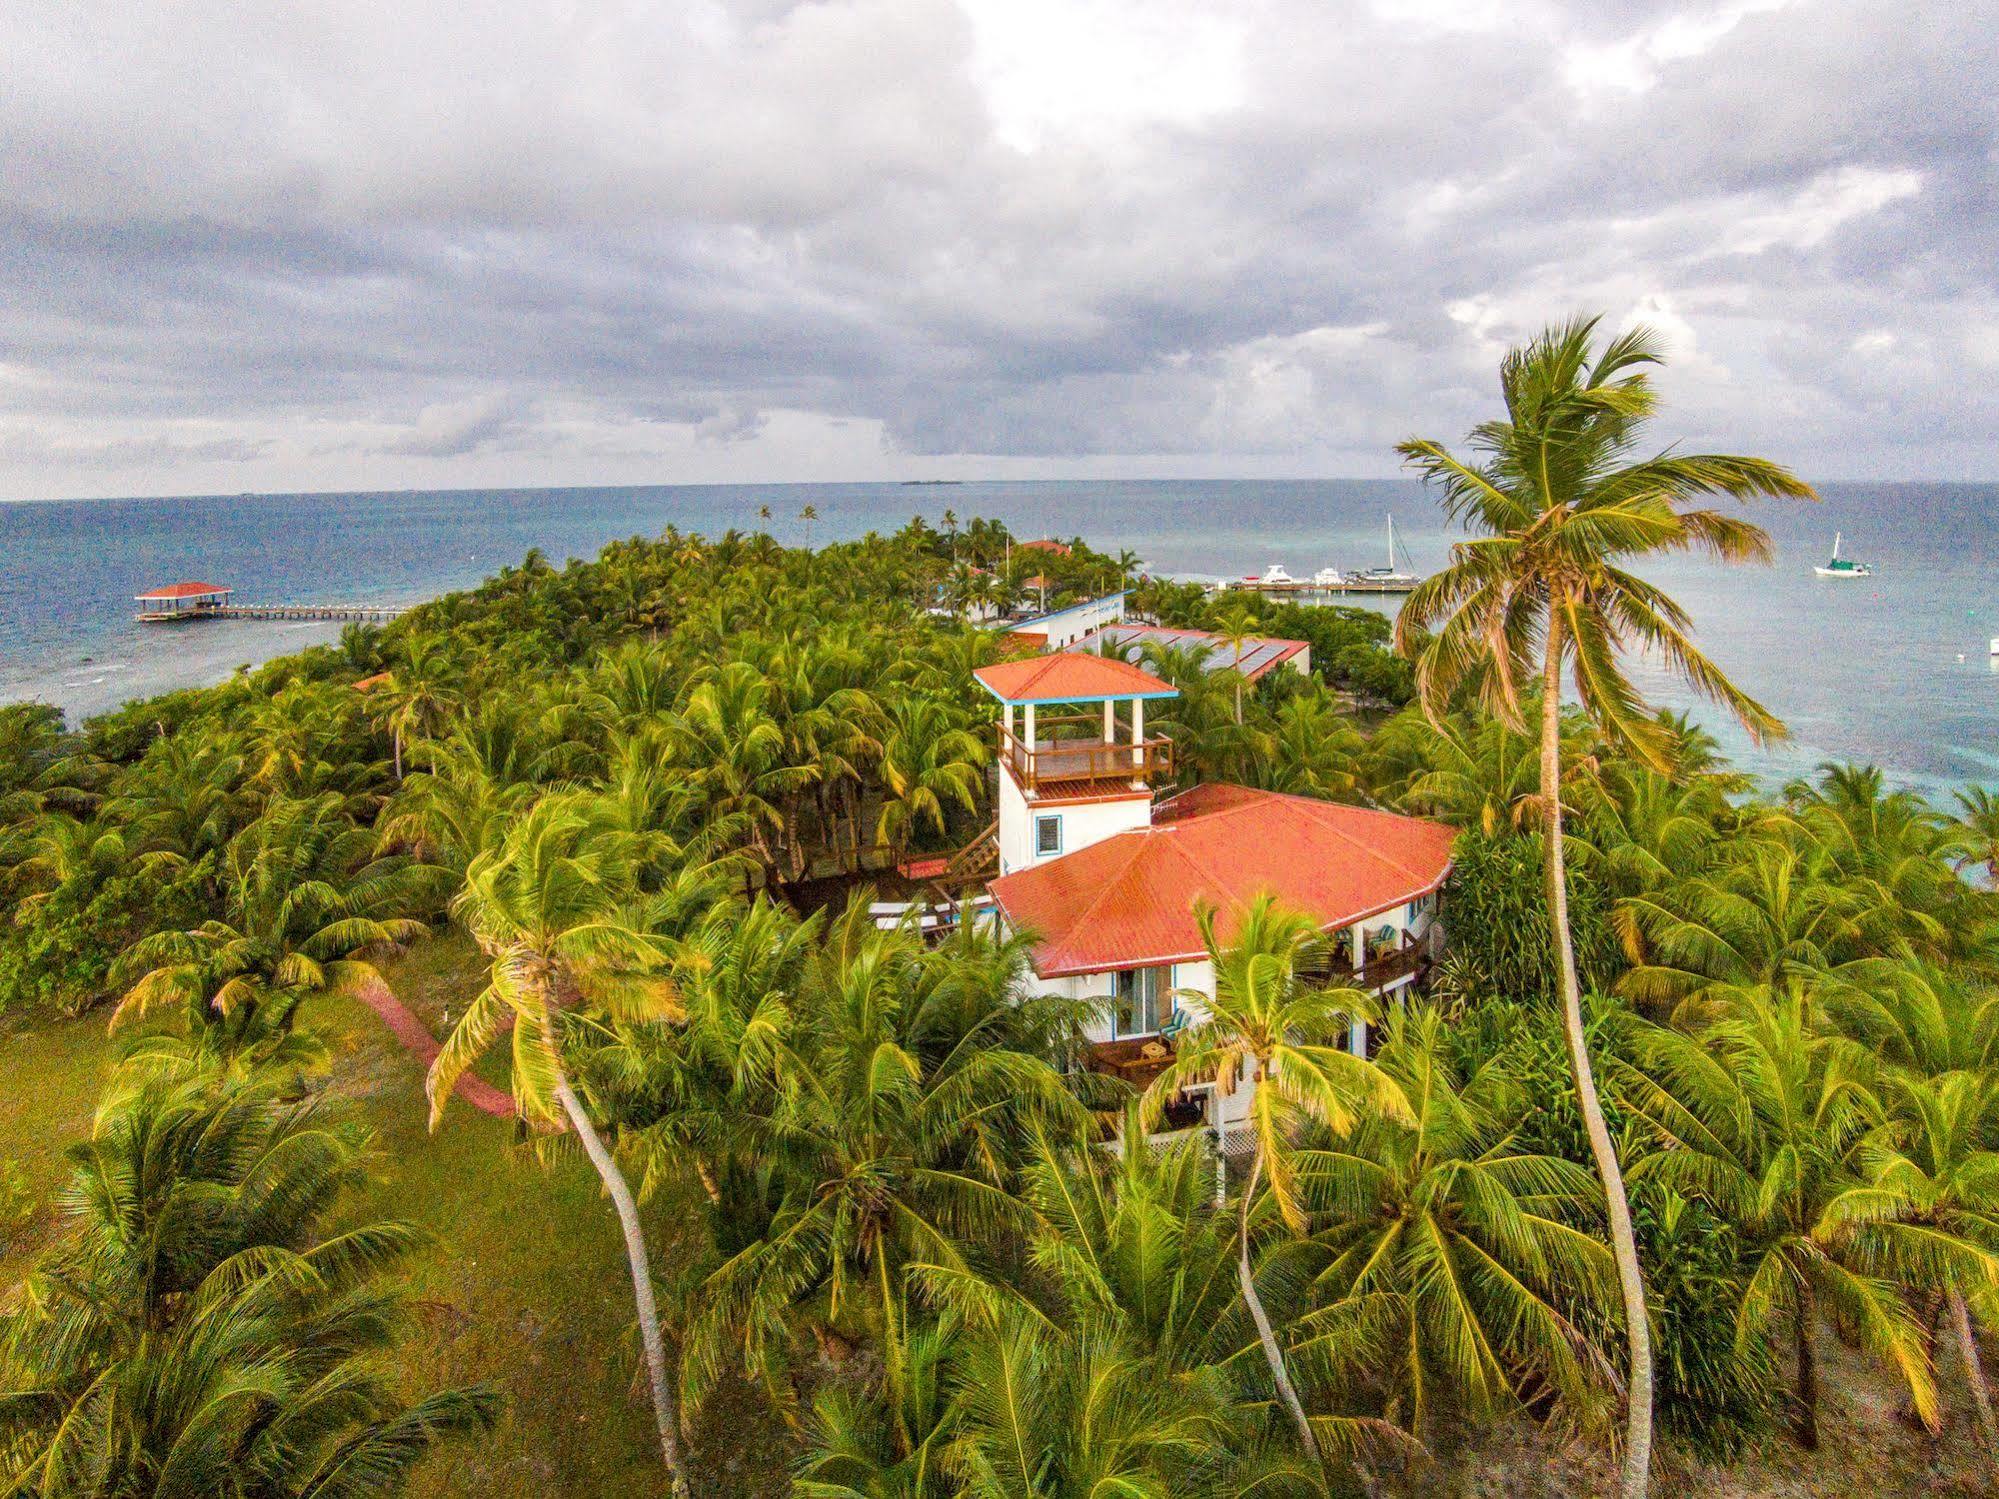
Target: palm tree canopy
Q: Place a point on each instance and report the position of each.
(1559, 508)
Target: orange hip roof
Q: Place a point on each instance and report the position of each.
(1070, 677)
(1130, 901)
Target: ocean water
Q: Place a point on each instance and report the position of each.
(1894, 669)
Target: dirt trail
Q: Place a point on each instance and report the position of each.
(417, 1040)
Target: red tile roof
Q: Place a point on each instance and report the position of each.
(1060, 548)
(1129, 901)
(183, 591)
(1069, 677)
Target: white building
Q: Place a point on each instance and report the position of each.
(1108, 881)
(1060, 629)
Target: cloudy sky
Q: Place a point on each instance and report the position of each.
(424, 244)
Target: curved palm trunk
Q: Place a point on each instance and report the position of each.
(665, 1409)
(1623, 1242)
(1974, 1375)
(1272, 1354)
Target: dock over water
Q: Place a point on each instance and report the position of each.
(185, 601)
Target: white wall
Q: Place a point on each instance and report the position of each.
(1067, 626)
(1083, 823)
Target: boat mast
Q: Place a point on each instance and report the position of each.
(1835, 545)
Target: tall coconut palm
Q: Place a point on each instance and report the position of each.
(1266, 1026)
(554, 907)
(1561, 503)
(1237, 627)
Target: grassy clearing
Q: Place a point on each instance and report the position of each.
(525, 1286)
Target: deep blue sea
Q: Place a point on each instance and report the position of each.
(1894, 669)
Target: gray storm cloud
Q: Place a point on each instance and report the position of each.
(260, 246)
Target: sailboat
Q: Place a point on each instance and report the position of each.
(1389, 579)
(1840, 567)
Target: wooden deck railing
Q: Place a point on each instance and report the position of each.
(1081, 759)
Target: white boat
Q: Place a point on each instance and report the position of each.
(1328, 577)
(1389, 577)
(1274, 576)
(1839, 567)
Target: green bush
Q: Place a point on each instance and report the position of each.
(1496, 912)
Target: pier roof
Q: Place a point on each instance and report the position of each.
(183, 591)
(1070, 677)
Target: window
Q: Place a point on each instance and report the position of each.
(1047, 836)
(1420, 907)
(1142, 1002)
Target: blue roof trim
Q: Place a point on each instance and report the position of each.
(1112, 697)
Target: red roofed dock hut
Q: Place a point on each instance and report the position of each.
(179, 601)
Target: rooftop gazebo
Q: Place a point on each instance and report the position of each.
(1071, 777)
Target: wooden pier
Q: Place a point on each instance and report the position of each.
(310, 611)
(185, 601)
(1257, 585)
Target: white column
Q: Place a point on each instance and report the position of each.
(1138, 732)
(1110, 721)
(1357, 1032)
(1028, 768)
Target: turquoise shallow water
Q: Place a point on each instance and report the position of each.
(1865, 670)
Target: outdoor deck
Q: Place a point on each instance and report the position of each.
(1083, 762)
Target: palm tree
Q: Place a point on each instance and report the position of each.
(1976, 836)
(928, 765)
(1560, 502)
(1895, 854)
(1071, 1411)
(735, 754)
(918, 1074)
(1237, 627)
(1768, 1120)
(1709, 939)
(199, 1331)
(554, 907)
(810, 515)
(1314, 750)
(892, 1441)
(304, 898)
(1454, 1261)
(1266, 1027)
(1937, 1158)
(420, 690)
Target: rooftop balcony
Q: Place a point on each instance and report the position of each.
(1074, 750)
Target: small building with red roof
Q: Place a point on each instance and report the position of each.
(1059, 548)
(181, 601)
(1109, 884)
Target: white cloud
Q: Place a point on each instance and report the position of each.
(1823, 206)
(250, 247)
